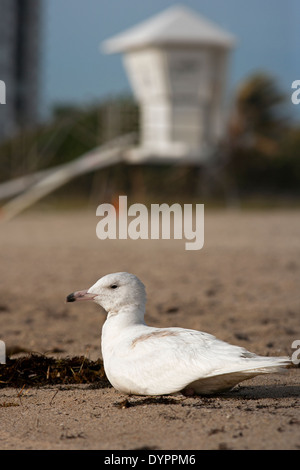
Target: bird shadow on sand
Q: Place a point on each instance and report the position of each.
(240, 393)
(256, 392)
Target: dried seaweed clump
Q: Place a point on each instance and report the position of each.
(38, 370)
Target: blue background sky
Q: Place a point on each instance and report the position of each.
(74, 69)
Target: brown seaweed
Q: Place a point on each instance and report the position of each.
(34, 370)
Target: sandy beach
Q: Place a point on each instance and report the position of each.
(242, 287)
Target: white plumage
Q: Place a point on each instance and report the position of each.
(142, 360)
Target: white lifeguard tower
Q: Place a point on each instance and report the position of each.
(177, 65)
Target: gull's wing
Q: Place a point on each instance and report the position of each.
(166, 360)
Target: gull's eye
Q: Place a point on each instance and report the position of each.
(114, 286)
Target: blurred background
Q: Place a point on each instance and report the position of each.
(202, 92)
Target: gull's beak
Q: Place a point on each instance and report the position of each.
(80, 295)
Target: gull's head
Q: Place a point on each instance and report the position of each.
(114, 292)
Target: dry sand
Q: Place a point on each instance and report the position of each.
(243, 287)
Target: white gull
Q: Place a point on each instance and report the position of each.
(143, 360)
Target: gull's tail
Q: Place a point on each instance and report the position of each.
(252, 366)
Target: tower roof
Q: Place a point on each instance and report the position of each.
(175, 25)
